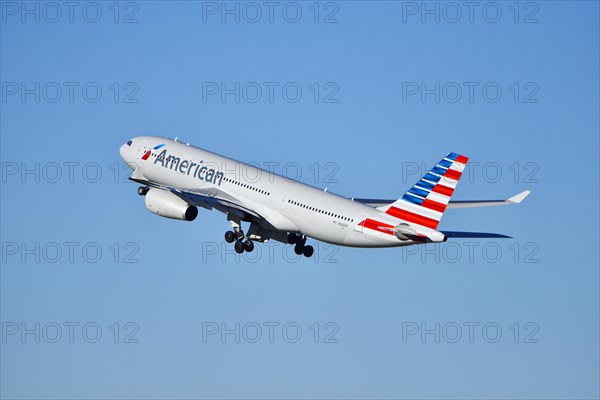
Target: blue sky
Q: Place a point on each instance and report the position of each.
(385, 89)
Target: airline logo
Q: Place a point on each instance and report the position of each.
(425, 203)
(149, 152)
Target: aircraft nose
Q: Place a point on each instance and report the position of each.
(123, 152)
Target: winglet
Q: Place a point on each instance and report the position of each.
(516, 199)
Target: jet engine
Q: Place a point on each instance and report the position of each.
(169, 205)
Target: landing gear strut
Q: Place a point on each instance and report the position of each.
(300, 245)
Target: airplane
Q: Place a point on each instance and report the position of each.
(177, 178)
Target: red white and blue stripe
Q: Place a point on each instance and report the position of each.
(424, 204)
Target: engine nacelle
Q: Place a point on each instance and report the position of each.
(169, 205)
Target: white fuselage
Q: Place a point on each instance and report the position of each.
(288, 205)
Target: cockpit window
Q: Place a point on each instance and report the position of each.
(129, 143)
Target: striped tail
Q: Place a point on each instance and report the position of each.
(425, 203)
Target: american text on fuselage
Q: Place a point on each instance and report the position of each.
(189, 167)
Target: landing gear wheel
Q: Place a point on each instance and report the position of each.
(308, 251)
(249, 246)
(229, 237)
(239, 247)
(292, 238)
(143, 190)
(299, 248)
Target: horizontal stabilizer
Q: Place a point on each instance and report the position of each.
(474, 235)
(516, 199)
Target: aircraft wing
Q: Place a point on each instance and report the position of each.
(223, 201)
(210, 198)
(516, 199)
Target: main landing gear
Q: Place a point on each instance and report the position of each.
(143, 190)
(300, 245)
(244, 243)
(241, 243)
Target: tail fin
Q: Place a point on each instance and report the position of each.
(425, 203)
